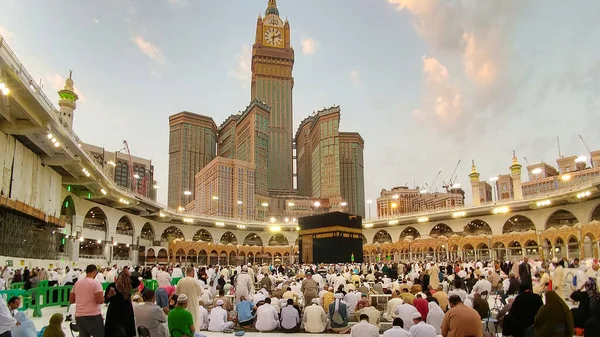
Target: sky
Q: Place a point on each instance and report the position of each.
(425, 82)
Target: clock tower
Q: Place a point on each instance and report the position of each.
(273, 83)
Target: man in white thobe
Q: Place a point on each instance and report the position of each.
(315, 318)
(420, 328)
(405, 312)
(218, 319)
(267, 318)
(243, 285)
(177, 272)
(364, 328)
(192, 289)
(163, 278)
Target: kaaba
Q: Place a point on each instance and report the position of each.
(334, 237)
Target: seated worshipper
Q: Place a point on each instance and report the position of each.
(435, 316)
(290, 317)
(351, 299)
(244, 312)
(338, 315)
(372, 312)
(54, 328)
(218, 319)
(481, 306)
(227, 305)
(405, 312)
(362, 302)
(522, 312)
(420, 328)
(510, 286)
(26, 328)
(460, 320)
(554, 319)
(441, 297)
(378, 287)
(180, 321)
(588, 299)
(397, 329)
(542, 284)
(266, 317)
(392, 304)
(315, 318)
(407, 297)
(258, 297)
(203, 316)
(458, 290)
(364, 328)
(327, 299)
(290, 294)
(483, 287)
(150, 315)
(422, 305)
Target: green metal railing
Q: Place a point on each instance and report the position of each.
(150, 284)
(17, 285)
(175, 280)
(40, 297)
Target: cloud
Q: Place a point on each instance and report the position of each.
(476, 35)
(354, 77)
(309, 46)
(149, 49)
(242, 71)
(7, 34)
(96, 21)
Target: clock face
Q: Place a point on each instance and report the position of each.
(273, 37)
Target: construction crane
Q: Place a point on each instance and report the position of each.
(588, 151)
(131, 171)
(448, 185)
(434, 180)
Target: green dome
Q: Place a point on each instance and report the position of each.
(272, 10)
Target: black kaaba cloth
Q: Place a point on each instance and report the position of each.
(334, 237)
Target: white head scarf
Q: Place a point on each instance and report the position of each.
(338, 299)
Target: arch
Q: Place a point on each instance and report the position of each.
(96, 219)
(595, 214)
(278, 240)
(125, 226)
(202, 235)
(477, 227)
(228, 238)
(364, 239)
(482, 245)
(67, 210)
(163, 256)
(252, 239)
(382, 237)
(171, 233)
(410, 231)
(561, 218)
(202, 257)
(518, 223)
(150, 256)
(232, 258)
(147, 232)
(441, 229)
(180, 255)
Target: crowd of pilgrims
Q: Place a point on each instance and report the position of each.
(423, 299)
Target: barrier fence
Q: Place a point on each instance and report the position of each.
(45, 296)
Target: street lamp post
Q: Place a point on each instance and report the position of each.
(317, 205)
(369, 202)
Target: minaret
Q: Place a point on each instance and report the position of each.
(474, 175)
(259, 30)
(515, 174)
(67, 102)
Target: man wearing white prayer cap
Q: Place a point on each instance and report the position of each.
(420, 328)
(218, 318)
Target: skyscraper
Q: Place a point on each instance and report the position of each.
(330, 163)
(272, 83)
(192, 145)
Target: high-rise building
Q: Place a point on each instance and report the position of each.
(117, 165)
(272, 83)
(404, 200)
(352, 173)
(192, 145)
(252, 145)
(226, 140)
(330, 163)
(225, 188)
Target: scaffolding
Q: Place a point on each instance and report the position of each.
(27, 237)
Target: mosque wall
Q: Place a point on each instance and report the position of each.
(24, 178)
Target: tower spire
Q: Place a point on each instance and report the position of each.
(67, 102)
(272, 8)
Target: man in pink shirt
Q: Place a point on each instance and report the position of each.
(87, 296)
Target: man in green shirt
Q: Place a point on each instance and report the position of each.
(181, 322)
